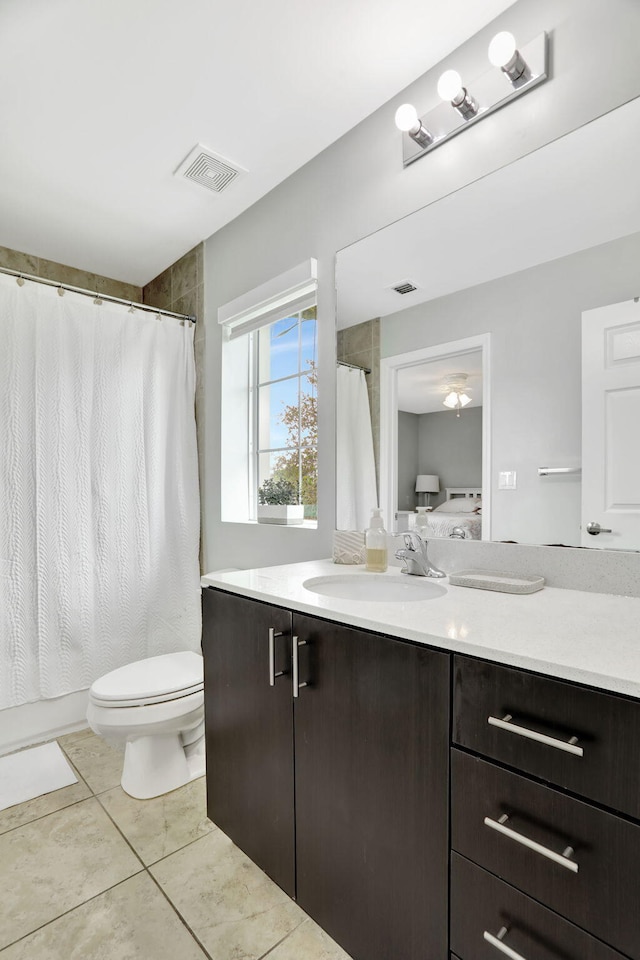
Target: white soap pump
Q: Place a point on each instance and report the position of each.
(375, 541)
(422, 521)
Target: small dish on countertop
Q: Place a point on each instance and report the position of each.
(501, 582)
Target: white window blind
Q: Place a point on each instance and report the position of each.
(289, 293)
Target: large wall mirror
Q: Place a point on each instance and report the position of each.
(514, 300)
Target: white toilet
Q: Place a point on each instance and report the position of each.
(155, 709)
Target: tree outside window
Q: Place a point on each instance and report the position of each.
(286, 420)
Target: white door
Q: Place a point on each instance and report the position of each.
(611, 425)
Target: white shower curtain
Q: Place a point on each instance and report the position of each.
(356, 492)
(99, 503)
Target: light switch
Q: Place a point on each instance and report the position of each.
(507, 480)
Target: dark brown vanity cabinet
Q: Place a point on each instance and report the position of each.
(516, 833)
(368, 737)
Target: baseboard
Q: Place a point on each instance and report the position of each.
(32, 723)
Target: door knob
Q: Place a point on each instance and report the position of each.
(594, 528)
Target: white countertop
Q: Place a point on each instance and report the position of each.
(592, 638)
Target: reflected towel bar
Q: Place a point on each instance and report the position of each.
(555, 471)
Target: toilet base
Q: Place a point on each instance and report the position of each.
(158, 764)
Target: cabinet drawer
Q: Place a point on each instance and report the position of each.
(601, 896)
(480, 903)
(607, 729)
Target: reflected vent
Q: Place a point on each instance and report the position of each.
(405, 287)
(205, 167)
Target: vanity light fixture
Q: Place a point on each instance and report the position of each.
(513, 72)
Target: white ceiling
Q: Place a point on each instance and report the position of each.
(421, 388)
(100, 103)
(574, 193)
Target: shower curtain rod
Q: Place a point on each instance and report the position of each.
(354, 366)
(97, 296)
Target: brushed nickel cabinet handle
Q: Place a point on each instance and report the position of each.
(561, 858)
(273, 633)
(296, 667)
(499, 945)
(569, 746)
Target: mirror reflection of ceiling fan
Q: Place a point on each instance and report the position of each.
(455, 387)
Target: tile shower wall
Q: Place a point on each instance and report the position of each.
(180, 288)
(50, 270)
(360, 345)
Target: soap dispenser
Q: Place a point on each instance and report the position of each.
(375, 541)
(422, 521)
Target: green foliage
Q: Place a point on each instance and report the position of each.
(278, 490)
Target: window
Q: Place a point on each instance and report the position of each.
(269, 427)
(283, 439)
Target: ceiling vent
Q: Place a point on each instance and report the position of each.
(405, 287)
(205, 167)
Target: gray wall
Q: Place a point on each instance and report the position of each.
(408, 443)
(451, 447)
(534, 318)
(358, 185)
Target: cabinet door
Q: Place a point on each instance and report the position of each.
(249, 730)
(371, 735)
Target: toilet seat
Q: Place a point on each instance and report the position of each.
(171, 676)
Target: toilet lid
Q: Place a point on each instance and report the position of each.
(166, 677)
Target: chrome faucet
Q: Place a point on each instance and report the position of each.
(414, 554)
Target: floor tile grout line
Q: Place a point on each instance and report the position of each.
(126, 839)
(179, 915)
(71, 910)
(72, 762)
(145, 868)
(44, 816)
(282, 940)
(81, 782)
(184, 846)
(153, 863)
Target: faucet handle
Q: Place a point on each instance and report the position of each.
(413, 541)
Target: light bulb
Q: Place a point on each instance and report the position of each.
(406, 117)
(449, 85)
(408, 121)
(502, 49)
(456, 399)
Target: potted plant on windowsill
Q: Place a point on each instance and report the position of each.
(279, 502)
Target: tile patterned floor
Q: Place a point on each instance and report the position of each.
(88, 873)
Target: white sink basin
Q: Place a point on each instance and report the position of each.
(376, 587)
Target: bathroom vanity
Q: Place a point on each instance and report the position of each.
(449, 777)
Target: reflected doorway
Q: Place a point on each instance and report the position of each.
(433, 454)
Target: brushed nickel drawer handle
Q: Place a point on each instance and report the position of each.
(561, 858)
(506, 724)
(296, 666)
(499, 945)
